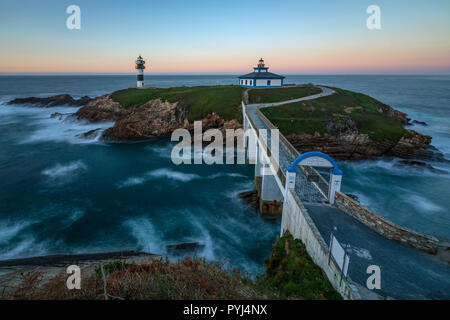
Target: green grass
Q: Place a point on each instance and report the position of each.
(201, 101)
(292, 274)
(267, 95)
(369, 115)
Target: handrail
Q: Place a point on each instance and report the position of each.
(276, 165)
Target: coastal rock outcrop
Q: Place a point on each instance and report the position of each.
(58, 100)
(356, 146)
(155, 118)
(101, 109)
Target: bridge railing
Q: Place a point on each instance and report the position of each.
(309, 172)
(273, 161)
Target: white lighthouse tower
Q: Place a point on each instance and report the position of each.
(140, 66)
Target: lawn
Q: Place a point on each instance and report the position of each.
(201, 100)
(267, 95)
(369, 115)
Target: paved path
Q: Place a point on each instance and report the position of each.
(325, 92)
(406, 273)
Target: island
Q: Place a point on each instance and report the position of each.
(344, 125)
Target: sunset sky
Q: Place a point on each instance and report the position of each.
(196, 36)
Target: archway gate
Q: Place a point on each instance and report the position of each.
(316, 159)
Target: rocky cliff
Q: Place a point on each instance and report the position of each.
(155, 118)
(354, 145)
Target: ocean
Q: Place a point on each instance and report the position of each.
(61, 193)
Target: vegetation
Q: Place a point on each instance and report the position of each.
(367, 114)
(201, 101)
(290, 274)
(267, 95)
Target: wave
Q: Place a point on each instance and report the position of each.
(176, 176)
(10, 230)
(173, 175)
(69, 169)
(145, 234)
(366, 168)
(25, 248)
(424, 205)
(360, 252)
(43, 127)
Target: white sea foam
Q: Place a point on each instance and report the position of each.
(360, 252)
(204, 238)
(424, 204)
(176, 176)
(25, 248)
(144, 232)
(45, 128)
(69, 169)
(130, 182)
(9, 230)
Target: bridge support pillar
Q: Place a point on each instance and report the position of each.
(271, 199)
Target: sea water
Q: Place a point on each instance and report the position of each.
(62, 193)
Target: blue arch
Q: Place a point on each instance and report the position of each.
(293, 166)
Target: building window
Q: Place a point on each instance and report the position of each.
(245, 82)
(268, 82)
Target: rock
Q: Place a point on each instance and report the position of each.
(153, 119)
(184, 246)
(397, 115)
(413, 163)
(419, 164)
(102, 109)
(353, 196)
(91, 134)
(251, 198)
(58, 100)
(422, 123)
(59, 116)
(350, 145)
(212, 120)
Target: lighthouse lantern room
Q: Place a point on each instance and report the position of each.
(140, 66)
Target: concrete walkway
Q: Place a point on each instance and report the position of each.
(406, 273)
(325, 92)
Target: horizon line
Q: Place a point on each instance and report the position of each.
(217, 74)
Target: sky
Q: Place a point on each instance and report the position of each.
(228, 36)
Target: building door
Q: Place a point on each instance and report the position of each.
(268, 83)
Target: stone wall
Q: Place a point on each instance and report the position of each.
(385, 227)
(296, 220)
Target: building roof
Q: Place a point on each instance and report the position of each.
(261, 75)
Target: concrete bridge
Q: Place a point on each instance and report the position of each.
(314, 210)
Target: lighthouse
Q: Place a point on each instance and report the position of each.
(261, 77)
(140, 66)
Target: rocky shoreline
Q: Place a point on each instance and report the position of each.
(157, 118)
